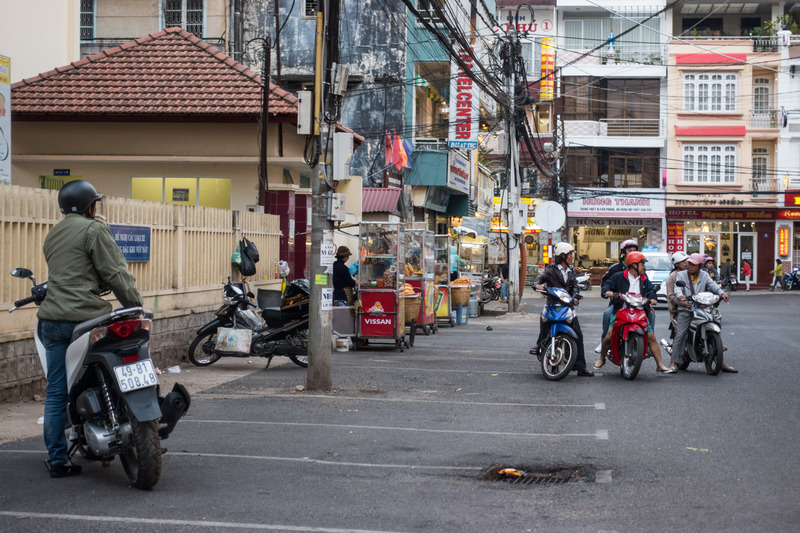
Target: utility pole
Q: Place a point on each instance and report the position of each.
(319, 319)
(514, 222)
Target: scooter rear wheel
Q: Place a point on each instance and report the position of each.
(300, 339)
(201, 350)
(142, 461)
(631, 356)
(557, 365)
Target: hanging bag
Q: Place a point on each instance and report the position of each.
(250, 249)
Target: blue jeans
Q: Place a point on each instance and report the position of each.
(504, 291)
(56, 335)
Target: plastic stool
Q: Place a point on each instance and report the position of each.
(461, 314)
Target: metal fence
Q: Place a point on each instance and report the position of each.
(190, 247)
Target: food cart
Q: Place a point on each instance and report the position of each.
(419, 270)
(441, 276)
(381, 264)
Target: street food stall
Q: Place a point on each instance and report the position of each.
(381, 270)
(419, 269)
(441, 275)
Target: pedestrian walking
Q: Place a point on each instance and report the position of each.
(746, 273)
(777, 276)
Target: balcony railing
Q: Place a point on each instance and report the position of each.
(764, 118)
(766, 43)
(632, 127)
(759, 184)
(430, 144)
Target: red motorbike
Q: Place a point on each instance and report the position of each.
(629, 335)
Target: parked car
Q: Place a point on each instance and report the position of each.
(659, 265)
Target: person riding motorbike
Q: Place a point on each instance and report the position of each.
(561, 274)
(679, 262)
(82, 259)
(695, 280)
(627, 246)
(631, 280)
(709, 267)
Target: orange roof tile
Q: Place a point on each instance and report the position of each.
(711, 131)
(710, 59)
(167, 73)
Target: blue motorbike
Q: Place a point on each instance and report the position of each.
(792, 280)
(559, 349)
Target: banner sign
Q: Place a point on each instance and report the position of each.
(458, 168)
(5, 120)
(601, 234)
(464, 104)
(721, 214)
(133, 241)
(635, 203)
(674, 237)
(548, 66)
(789, 214)
(541, 23)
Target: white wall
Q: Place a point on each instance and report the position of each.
(39, 35)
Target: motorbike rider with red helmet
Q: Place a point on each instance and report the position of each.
(632, 280)
(625, 247)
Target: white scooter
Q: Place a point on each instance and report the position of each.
(112, 389)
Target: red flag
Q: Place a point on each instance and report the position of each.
(399, 156)
(388, 148)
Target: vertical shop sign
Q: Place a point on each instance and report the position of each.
(464, 103)
(674, 237)
(5, 120)
(783, 241)
(548, 65)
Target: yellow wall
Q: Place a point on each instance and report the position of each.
(134, 18)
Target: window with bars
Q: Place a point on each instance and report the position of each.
(709, 92)
(186, 14)
(427, 10)
(709, 163)
(87, 20)
(311, 8)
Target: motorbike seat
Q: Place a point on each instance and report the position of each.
(272, 315)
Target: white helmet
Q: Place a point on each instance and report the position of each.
(562, 248)
(677, 257)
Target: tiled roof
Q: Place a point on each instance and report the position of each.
(167, 73)
(379, 199)
(711, 131)
(710, 59)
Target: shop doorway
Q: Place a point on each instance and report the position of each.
(705, 244)
(746, 251)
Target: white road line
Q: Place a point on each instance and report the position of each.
(596, 406)
(603, 476)
(329, 463)
(184, 523)
(601, 434)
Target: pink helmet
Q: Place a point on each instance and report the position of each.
(708, 258)
(696, 259)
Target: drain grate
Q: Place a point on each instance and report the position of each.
(536, 476)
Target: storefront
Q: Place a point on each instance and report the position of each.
(736, 234)
(601, 221)
(788, 233)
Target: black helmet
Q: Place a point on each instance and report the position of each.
(77, 196)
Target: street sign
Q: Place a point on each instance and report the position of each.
(550, 216)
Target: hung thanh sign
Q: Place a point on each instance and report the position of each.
(464, 102)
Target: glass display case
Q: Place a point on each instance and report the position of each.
(441, 278)
(381, 275)
(419, 273)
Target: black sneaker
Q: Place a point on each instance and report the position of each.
(59, 471)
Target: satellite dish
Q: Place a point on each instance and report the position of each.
(550, 216)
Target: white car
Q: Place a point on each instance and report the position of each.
(659, 266)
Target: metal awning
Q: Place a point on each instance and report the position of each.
(379, 199)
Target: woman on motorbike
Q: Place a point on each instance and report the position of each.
(631, 280)
(560, 274)
(625, 248)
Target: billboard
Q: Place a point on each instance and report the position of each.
(5, 120)
(464, 103)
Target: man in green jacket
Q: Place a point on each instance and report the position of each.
(83, 260)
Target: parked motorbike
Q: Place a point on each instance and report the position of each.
(792, 280)
(114, 407)
(490, 288)
(730, 283)
(559, 349)
(704, 340)
(284, 331)
(584, 283)
(629, 335)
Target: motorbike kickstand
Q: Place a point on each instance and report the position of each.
(269, 360)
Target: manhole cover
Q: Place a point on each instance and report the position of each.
(528, 475)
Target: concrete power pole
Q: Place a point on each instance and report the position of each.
(514, 212)
(319, 319)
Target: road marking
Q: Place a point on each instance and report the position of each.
(184, 523)
(601, 434)
(603, 476)
(596, 406)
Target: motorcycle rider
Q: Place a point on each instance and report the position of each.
(560, 274)
(695, 280)
(82, 259)
(627, 246)
(679, 261)
(632, 280)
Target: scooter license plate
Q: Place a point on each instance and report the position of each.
(136, 375)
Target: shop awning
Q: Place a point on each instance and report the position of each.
(379, 199)
(429, 167)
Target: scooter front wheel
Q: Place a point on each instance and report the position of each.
(713, 356)
(201, 350)
(142, 461)
(558, 361)
(632, 350)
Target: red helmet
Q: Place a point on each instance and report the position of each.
(634, 257)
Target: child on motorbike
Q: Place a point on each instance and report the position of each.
(631, 280)
(561, 274)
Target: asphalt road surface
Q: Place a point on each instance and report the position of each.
(402, 442)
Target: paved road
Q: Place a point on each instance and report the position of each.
(401, 443)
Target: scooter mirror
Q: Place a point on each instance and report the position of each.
(680, 283)
(21, 273)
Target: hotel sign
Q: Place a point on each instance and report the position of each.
(637, 203)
